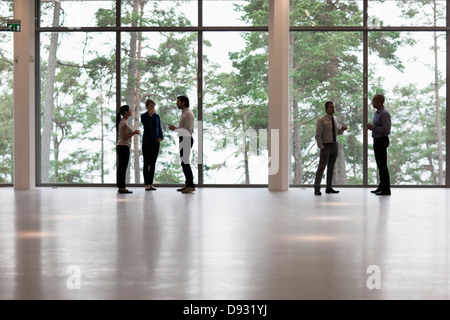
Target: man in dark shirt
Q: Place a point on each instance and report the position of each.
(381, 128)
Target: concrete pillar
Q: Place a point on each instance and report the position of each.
(24, 104)
(279, 95)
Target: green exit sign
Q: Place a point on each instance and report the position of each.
(13, 25)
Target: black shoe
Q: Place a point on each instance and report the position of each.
(317, 193)
(383, 193)
(125, 191)
(331, 190)
(375, 191)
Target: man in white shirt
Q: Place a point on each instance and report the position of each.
(185, 130)
(326, 132)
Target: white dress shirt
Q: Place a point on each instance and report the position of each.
(324, 130)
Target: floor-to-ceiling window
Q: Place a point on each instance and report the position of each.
(326, 66)
(77, 107)
(235, 79)
(409, 67)
(98, 55)
(6, 95)
(403, 50)
(235, 108)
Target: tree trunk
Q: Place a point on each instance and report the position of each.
(295, 126)
(137, 101)
(297, 151)
(56, 156)
(102, 140)
(438, 104)
(247, 173)
(132, 66)
(47, 123)
(340, 174)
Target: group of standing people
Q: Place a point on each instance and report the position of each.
(327, 129)
(152, 136)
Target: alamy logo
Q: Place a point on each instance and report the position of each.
(74, 279)
(374, 280)
(250, 140)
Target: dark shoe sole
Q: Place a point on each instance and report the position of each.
(383, 193)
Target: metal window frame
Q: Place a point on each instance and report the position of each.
(200, 29)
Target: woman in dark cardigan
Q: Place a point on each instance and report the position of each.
(153, 135)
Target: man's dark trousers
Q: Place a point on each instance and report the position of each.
(380, 146)
(186, 166)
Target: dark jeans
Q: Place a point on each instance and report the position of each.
(123, 157)
(328, 156)
(186, 166)
(380, 146)
(150, 153)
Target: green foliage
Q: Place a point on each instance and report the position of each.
(6, 111)
(324, 13)
(6, 134)
(324, 66)
(413, 139)
(72, 169)
(106, 17)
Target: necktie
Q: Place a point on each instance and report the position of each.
(334, 129)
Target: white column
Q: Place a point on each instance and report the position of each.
(24, 110)
(279, 95)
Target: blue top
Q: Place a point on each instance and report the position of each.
(152, 128)
(381, 124)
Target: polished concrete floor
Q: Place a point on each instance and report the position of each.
(224, 243)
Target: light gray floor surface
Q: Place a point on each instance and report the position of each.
(224, 243)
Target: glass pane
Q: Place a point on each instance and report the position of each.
(77, 13)
(161, 67)
(78, 107)
(159, 13)
(236, 13)
(235, 108)
(326, 13)
(6, 105)
(407, 13)
(326, 66)
(413, 82)
(7, 11)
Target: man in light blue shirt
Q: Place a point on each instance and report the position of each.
(381, 128)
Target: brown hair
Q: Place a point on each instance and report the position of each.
(149, 102)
